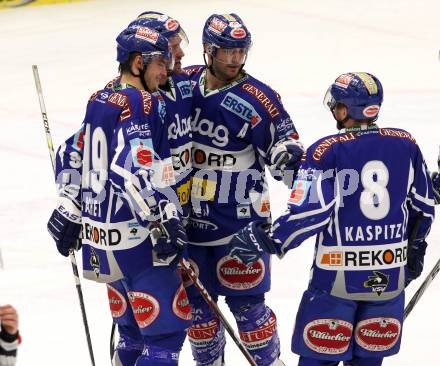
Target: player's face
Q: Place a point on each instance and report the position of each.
(156, 72)
(175, 44)
(229, 61)
(340, 113)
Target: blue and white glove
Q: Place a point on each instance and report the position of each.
(415, 261)
(169, 238)
(285, 158)
(250, 243)
(65, 232)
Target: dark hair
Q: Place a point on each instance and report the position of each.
(126, 66)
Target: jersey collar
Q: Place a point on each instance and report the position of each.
(360, 128)
(207, 92)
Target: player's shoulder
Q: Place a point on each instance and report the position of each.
(99, 95)
(194, 70)
(397, 134)
(112, 83)
(323, 148)
(135, 103)
(102, 95)
(267, 98)
(264, 87)
(180, 77)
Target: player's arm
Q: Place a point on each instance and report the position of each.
(64, 225)
(421, 215)
(142, 171)
(68, 171)
(138, 169)
(9, 337)
(310, 209)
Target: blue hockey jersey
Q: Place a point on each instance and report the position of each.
(359, 191)
(234, 128)
(177, 96)
(122, 148)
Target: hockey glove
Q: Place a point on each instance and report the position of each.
(285, 158)
(436, 185)
(169, 238)
(65, 232)
(250, 243)
(416, 255)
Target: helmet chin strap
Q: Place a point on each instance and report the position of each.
(340, 122)
(141, 78)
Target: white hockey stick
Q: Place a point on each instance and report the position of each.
(71, 252)
(186, 266)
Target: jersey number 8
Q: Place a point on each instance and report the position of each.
(375, 199)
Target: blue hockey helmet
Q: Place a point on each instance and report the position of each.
(226, 31)
(162, 23)
(144, 40)
(360, 92)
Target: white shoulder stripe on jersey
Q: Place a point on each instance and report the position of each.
(313, 212)
(302, 231)
(410, 176)
(419, 210)
(119, 170)
(320, 195)
(426, 201)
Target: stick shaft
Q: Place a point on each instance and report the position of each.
(213, 305)
(71, 252)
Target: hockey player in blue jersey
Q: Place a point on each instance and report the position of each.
(239, 126)
(367, 195)
(175, 92)
(121, 161)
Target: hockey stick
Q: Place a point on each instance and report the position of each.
(186, 266)
(214, 307)
(414, 300)
(71, 252)
(112, 341)
(428, 279)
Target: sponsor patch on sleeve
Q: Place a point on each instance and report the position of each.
(299, 192)
(78, 141)
(142, 152)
